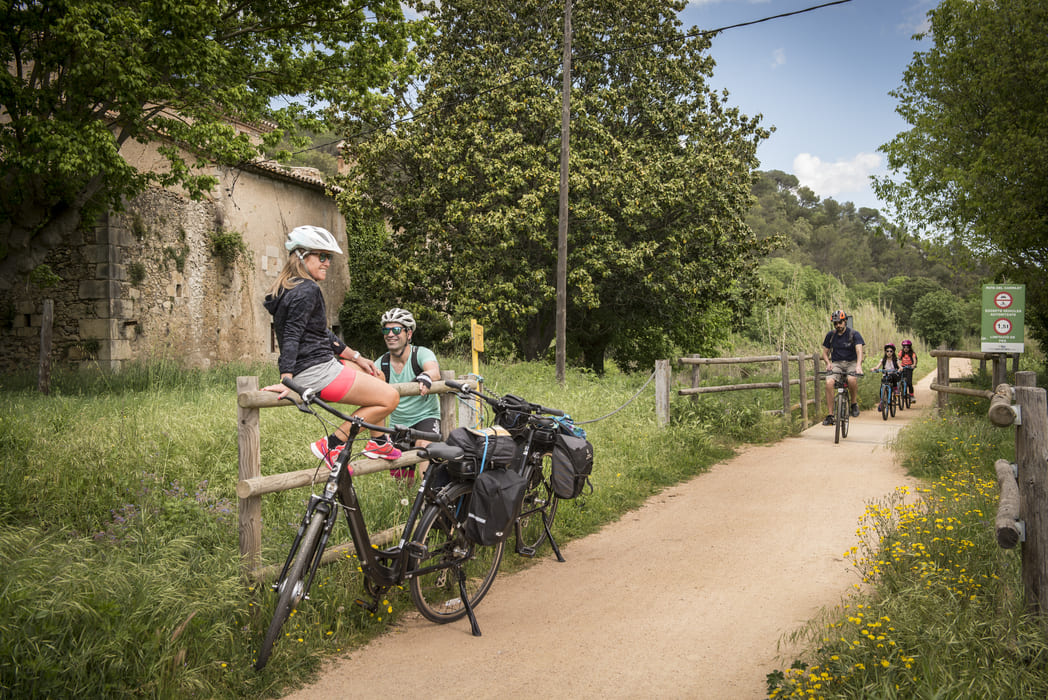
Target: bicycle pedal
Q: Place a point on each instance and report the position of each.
(370, 607)
(526, 551)
(418, 550)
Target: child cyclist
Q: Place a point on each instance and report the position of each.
(908, 360)
(889, 363)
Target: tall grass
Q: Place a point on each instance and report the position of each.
(119, 540)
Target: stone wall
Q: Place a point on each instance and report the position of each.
(145, 284)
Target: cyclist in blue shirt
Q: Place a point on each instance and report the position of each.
(410, 363)
(842, 352)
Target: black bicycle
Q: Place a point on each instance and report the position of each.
(535, 429)
(447, 574)
(841, 404)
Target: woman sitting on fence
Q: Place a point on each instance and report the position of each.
(312, 355)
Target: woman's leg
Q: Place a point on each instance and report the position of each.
(375, 398)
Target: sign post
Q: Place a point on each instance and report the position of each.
(1003, 307)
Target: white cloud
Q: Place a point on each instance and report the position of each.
(830, 179)
(778, 58)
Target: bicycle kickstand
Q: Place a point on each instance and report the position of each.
(553, 542)
(474, 627)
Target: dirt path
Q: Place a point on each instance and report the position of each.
(686, 597)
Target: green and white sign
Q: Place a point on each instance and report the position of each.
(1002, 317)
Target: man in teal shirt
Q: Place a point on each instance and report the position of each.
(407, 363)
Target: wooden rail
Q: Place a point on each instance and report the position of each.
(252, 485)
(664, 378)
(942, 385)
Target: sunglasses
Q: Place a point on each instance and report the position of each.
(322, 257)
(395, 330)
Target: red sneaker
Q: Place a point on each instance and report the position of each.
(384, 450)
(329, 454)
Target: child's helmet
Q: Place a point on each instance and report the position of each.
(906, 343)
(889, 345)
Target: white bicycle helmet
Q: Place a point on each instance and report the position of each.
(401, 316)
(311, 238)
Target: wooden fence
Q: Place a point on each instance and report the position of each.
(664, 382)
(942, 385)
(1022, 514)
(251, 485)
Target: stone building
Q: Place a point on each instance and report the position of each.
(171, 278)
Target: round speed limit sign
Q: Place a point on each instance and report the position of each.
(1003, 300)
(1002, 326)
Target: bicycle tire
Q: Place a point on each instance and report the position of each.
(436, 593)
(539, 509)
(906, 398)
(895, 403)
(846, 411)
(291, 589)
(838, 423)
(886, 398)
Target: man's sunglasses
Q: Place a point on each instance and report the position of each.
(395, 330)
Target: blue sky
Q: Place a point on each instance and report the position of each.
(821, 78)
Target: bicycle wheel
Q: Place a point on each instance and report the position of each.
(539, 506)
(886, 398)
(894, 402)
(906, 395)
(838, 422)
(846, 412)
(436, 593)
(293, 586)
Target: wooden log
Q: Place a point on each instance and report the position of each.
(1006, 523)
(692, 360)
(47, 322)
(785, 383)
(1001, 413)
(272, 483)
(729, 387)
(268, 399)
(663, 379)
(249, 509)
(944, 389)
(802, 380)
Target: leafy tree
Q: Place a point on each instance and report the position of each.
(939, 318)
(659, 254)
(974, 164)
(85, 77)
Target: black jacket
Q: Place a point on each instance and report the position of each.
(300, 319)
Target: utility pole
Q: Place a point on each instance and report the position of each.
(562, 228)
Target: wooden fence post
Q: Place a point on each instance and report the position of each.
(1000, 370)
(696, 377)
(802, 383)
(249, 466)
(817, 392)
(785, 363)
(663, 377)
(942, 377)
(43, 380)
(448, 401)
(1031, 446)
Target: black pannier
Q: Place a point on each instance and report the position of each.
(493, 506)
(572, 464)
(483, 449)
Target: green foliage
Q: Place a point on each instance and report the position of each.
(136, 272)
(227, 246)
(658, 252)
(85, 77)
(938, 317)
(43, 276)
(966, 168)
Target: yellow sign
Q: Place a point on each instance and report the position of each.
(477, 331)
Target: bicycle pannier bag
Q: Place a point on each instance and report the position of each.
(493, 507)
(572, 464)
(484, 449)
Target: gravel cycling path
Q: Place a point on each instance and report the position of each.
(689, 596)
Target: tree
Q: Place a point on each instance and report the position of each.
(661, 166)
(938, 317)
(85, 77)
(974, 164)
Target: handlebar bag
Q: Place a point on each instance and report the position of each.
(484, 448)
(493, 506)
(572, 465)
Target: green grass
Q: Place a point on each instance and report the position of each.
(118, 524)
(939, 612)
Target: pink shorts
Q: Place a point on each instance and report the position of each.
(337, 389)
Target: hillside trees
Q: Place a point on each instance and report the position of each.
(659, 253)
(974, 164)
(84, 77)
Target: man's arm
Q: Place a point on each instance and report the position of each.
(858, 355)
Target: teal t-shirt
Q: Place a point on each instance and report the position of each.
(412, 409)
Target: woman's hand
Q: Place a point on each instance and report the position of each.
(280, 389)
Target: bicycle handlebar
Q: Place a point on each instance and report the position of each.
(515, 403)
(399, 432)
